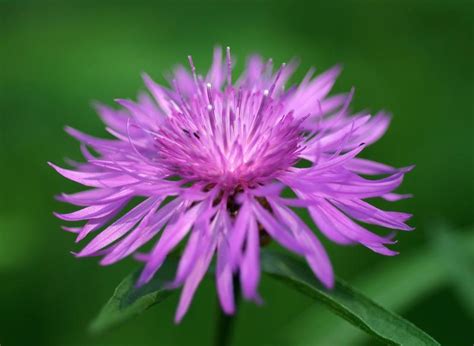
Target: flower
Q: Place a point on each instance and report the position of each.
(209, 159)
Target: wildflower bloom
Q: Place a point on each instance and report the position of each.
(209, 159)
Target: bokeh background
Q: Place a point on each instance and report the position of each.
(413, 58)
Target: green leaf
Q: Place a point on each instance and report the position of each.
(386, 284)
(346, 302)
(129, 301)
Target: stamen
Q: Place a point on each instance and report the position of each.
(193, 68)
(210, 108)
(195, 77)
(229, 67)
(280, 70)
(267, 71)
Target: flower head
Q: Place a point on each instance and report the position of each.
(210, 160)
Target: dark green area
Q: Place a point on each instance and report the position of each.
(413, 58)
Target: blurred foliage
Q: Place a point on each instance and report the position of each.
(12, 231)
(455, 259)
(413, 58)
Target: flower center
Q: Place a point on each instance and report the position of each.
(242, 138)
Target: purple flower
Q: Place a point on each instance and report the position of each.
(209, 159)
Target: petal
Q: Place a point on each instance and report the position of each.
(149, 226)
(393, 197)
(316, 256)
(367, 213)
(364, 166)
(139, 114)
(250, 264)
(331, 140)
(372, 131)
(326, 227)
(216, 72)
(192, 250)
(96, 196)
(207, 247)
(341, 224)
(115, 119)
(159, 93)
(94, 224)
(239, 232)
(170, 237)
(224, 277)
(276, 231)
(118, 228)
(96, 179)
(358, 187)
(91, 212)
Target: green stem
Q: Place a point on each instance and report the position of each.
(225, 323)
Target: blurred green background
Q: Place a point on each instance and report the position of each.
(413, 58)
